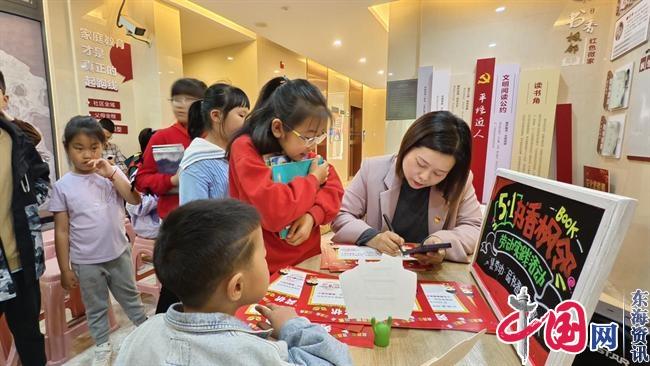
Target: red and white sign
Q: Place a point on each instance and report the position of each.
(644, 64)
(121, 129)
(483, 83)
(502, 125)
(110, 115)
(101, 103)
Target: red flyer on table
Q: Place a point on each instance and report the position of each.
(350, 334)
(449, 305)
(288, 287)
(438, 305)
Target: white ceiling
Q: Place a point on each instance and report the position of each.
(309, 27)
(199, 33)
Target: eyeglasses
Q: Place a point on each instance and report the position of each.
(308, 141)
(182, 100)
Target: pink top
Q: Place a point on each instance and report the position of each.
(374, 191)
(96, 212)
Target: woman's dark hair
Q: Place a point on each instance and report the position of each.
(189, 86)
(291, 101)
(82, 124)
(219, 96)
(219, 231)
(447, 134)
(144, 136)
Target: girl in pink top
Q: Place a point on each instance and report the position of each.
(91, 246)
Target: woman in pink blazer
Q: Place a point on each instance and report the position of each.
(425, 191)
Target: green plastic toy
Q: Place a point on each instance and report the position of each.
(382, 331)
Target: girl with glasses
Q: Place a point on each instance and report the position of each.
(290, 118)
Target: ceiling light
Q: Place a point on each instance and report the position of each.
(276, 71)
(380, 72)
(230, 58)
(337, 43)
(500, 9)
(362, 60)
(492, 45)
(390, 74)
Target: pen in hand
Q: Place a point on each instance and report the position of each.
(390, 227)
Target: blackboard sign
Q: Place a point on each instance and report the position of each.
(544, 235)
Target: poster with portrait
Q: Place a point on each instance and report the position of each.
(22, 61)
(631, 30)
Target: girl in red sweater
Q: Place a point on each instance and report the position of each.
(290, 118)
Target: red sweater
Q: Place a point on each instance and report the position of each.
(281, 204)
(149, 180)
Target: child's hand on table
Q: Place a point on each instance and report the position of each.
(277, 316)
(69, 280)
(431, 257)
(300, 230)
(387, 242)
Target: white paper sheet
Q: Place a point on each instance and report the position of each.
(379, 289)
(456, 353)
(442, 301)
(328, 293)
(354, 252)
(290, 284)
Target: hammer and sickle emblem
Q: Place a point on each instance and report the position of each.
(484, 79)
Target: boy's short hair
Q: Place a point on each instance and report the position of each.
(189, 86)
(200, 244)
(3, 86)
(107, 124)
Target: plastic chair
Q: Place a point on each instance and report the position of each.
(130, 233)
(8, 354)
(59, 333)
(142, 247)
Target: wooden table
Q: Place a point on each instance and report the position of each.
(413, 347)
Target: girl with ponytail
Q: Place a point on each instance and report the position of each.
(203, 172)
(290, 118)
(211, 122)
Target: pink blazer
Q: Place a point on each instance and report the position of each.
(375, 190)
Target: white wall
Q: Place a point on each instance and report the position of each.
(213, 66)
(143, 99)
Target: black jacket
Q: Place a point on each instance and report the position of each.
(30, 185)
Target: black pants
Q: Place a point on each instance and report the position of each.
(166, 299)
(22, 316)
